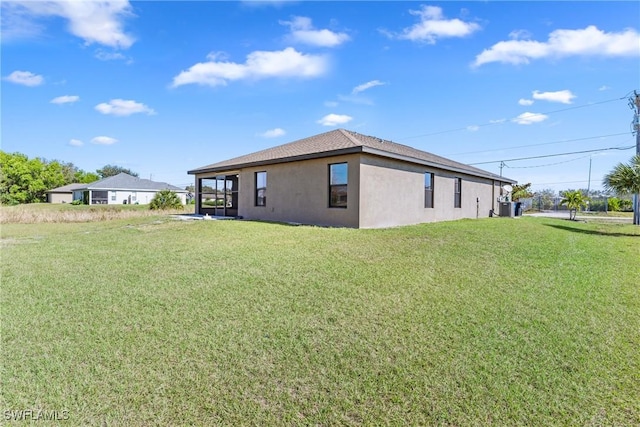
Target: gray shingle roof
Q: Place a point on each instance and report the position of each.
(342, 141)
(67, 188)
(124, 181)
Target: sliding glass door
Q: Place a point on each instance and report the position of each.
(219, 195)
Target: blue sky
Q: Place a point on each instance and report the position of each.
(164, 87)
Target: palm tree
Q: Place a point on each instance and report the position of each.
(574, 201)
(625, 179)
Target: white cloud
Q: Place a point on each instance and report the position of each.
(367, 85)
(217, 56)
(473, 128)
(562, 96)
(526, 102)
(589, 41)
(519, 34)
(433, 26)
(530, 118)
(93, 21)
(108, 56)
(334, 119)
(76, 143)
(15, 23)
(123, 107)
(497, 121)
(273, 133)
(65, 99)
(26, 78)
(259, 65)
(302, 31)
(103, 55)
(355, 99)
(103, 140)
(604, 87)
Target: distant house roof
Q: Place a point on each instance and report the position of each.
(342, 141)
(66, 188)
(124, 181)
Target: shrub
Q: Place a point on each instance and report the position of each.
(626, 205)
(614, 204)
(165, 199)
(597, 205)
(77, 202)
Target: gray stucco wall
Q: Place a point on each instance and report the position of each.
(59, 197)
(299, 192)
(392, 194)
(382, 192)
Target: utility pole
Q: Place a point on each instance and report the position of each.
(589, 185)
(636, 129)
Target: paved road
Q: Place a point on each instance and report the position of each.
(565, 215)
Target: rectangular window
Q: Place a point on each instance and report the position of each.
(338, 185)
(99, 197)
(428, 190)
(208, 193)
(457, 193)
(261, 189)
(220, 184)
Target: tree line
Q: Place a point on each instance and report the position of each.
(25, 180)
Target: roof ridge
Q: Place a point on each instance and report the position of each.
(354, 135)
(351, 137)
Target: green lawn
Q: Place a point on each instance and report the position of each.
(608, 214)
(153, 321)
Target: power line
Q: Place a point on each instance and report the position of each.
(555, 155)
(514, 118)
(548, 164)
(555, 183)
(538, 145)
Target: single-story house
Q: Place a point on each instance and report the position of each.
(123, 189)
(345, 179)
(62, 194)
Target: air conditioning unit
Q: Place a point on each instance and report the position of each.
(506, 209)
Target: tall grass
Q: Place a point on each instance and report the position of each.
(61, 213)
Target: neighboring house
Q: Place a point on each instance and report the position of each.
(63, 194)
(123, 189)
(345, 179)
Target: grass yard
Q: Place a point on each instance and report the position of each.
(153, 321)
(607, 214)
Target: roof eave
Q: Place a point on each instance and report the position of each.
(343, 151)
(319, 155)
(129, 189)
